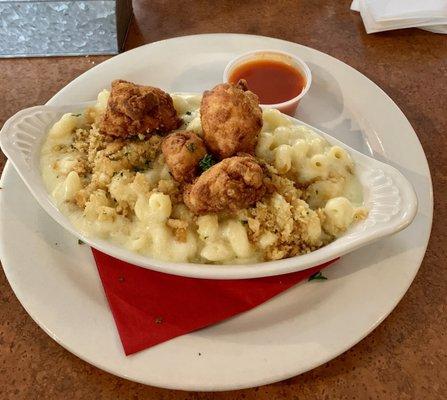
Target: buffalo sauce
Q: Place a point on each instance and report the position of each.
(273, 81)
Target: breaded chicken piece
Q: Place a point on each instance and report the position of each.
(230, 185)
(182, 152)
(135, 109)
(231, 119)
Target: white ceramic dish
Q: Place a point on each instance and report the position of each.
(57, 282)
(388, 196)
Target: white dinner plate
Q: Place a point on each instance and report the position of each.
(56, 280)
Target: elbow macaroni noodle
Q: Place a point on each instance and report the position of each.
(300, 151)
(135, 209)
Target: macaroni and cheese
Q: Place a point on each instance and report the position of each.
(120, 189)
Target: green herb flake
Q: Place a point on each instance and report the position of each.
(318, 276)
(76, 115)
(206, 162)
(191, 146)
(80, 242)
(244, 222)
(188, 113)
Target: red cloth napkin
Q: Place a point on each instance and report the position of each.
(151, 307)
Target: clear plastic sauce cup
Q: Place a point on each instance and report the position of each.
(276, 58)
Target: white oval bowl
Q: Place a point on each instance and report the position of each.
(388, 195)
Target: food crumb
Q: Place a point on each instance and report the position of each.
(317, 276)
(159, 320)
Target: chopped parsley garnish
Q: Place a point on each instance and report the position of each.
(317, 276)
(244, 222)
(80, 242)
(206, 162)
(188, 113)
(76, 115)
(191, 146)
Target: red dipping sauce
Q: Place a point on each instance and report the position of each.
(273, 81)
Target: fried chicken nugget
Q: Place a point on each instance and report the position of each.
(231, 119)
(230, 185)
(182, 152)
(135, 109)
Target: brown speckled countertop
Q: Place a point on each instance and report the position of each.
(405, 357)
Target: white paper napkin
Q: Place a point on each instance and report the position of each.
(436, 29)
(384, 15)
(398, 10)
(355, 6)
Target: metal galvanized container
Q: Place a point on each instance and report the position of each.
(32, 28)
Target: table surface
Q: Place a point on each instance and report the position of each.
(405, 357)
